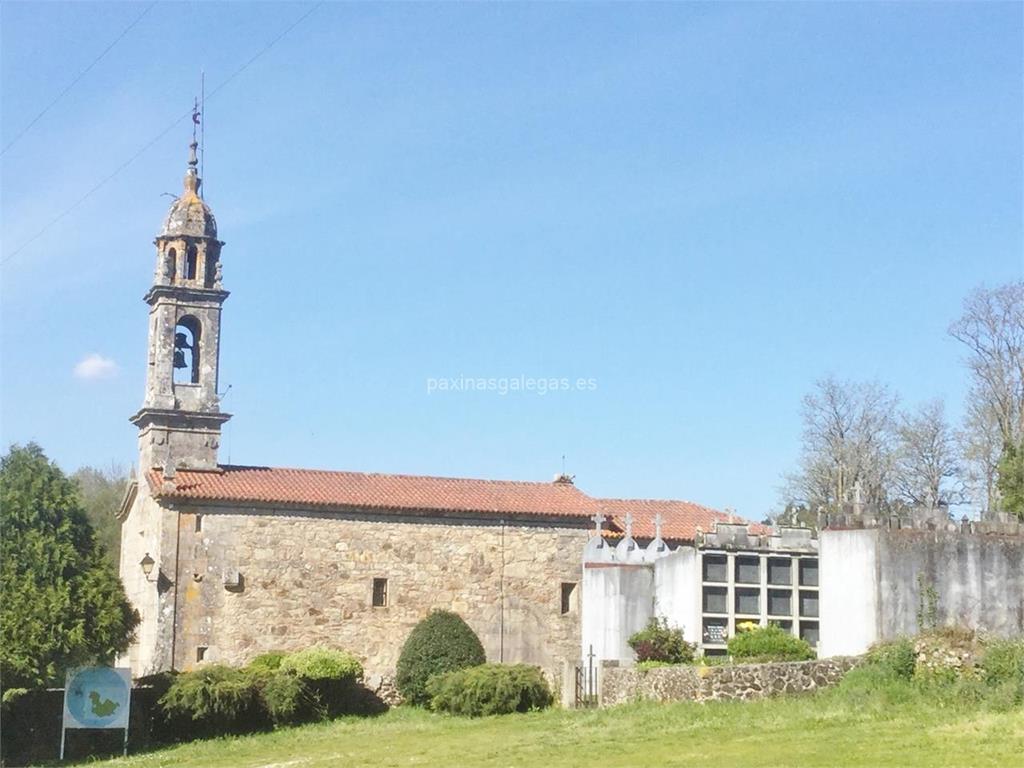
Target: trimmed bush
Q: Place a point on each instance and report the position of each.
(216, 699)
(895, 658)
(771, 643)
(658, 642)
(489, 689)
(441, 643)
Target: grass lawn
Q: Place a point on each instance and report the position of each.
(848, 726)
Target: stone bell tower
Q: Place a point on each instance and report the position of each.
(180, 419)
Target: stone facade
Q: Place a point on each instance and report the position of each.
(249, 580)
(618, 685)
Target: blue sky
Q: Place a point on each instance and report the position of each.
(703, 208)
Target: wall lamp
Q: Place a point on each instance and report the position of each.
(147, 564)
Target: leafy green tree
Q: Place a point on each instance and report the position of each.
(61, 604)
(101, 492)
(1011, 480)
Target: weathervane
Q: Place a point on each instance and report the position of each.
(195, 117)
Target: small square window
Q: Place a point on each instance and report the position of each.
(380, 593)
(748, 570)
(780, 571)
(715, 568)
(200, 653)
(716, 600)
(568, 597)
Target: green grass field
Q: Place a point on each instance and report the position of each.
(858, 724)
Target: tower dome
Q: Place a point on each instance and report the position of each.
(189, 215)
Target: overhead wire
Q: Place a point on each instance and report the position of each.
(159, 136)
(74, 82)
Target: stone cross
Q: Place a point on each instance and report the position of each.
(629, 525)
(598, 520)
(657, 526)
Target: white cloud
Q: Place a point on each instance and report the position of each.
(95, 366)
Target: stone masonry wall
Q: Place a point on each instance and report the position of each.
(253, 580)
(687, 682)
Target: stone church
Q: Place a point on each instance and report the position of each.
(225, 562)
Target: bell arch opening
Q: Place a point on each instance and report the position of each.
(187, 335)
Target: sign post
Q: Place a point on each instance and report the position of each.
(96, 697)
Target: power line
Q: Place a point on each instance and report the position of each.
(159, 136)
(81, 74)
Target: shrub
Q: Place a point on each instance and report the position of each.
(441, 643)
(270, 660)
(1003, 661)
(319, 663)
(216, 699)
(328, 680)
(771, 643)
(895, 658)
(660, 642)
(286, 698)
(489, 689)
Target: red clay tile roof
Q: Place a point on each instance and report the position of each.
(311, 488)
(318, 488)
(679, 519)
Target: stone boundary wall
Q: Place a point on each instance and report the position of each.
(688, 682)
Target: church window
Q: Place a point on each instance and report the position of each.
(172, 264)
(199, 523)
(186, 351)
(568, 597)
(380, 593)
(191, 262)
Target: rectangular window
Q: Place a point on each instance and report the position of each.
(568, 597)
(200, 653)
(380, 593)
(199, 523)
(808, 573)
(809, 604)
(715, 568)
(809, 632)
(779, 602)
(716, 600)
(779, 570)
(748, 602)
(748, 570)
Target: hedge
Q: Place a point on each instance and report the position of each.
(442, 642)
(489, 689)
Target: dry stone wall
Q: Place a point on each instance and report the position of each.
(686, 682)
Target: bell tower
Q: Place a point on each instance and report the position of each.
(180, 419)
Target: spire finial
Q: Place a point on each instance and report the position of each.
(192, 180)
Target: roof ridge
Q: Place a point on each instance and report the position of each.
(223, 468)
(664, 501)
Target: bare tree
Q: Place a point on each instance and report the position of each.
(849, 431)
(981, 446)
(927, 467)
(992, 329)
